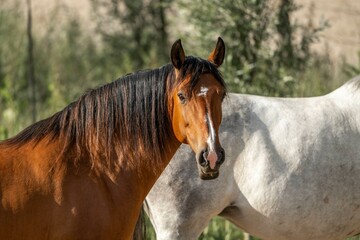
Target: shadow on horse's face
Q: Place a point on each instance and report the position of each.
(197, 113)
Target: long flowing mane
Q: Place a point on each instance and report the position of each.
(119, 119)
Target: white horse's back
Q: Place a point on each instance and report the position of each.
(292, 171)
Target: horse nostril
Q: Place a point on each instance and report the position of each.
(221, 156)
(203, 159)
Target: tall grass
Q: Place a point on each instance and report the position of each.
(220, 229)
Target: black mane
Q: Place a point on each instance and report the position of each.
(119, 117)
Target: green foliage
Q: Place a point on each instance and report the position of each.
(13, 94)
(262, 55)
(265, 49)
(219, 229)
(351, 70)
(354, 238)
(138, 33)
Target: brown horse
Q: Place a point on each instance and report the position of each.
(84, 172)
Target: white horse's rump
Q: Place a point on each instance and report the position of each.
(292, 171)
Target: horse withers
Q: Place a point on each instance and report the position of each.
(292, 171)
(84, 172)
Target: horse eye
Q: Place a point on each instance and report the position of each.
(181, 97)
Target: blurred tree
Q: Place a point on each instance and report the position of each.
(134, 31)
(351, 70)
(13, 84)
(30, 63)
(20, 58)
(264, 47)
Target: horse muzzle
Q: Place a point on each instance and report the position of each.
(209, 163)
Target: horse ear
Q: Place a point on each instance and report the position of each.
(217, 56)
(177, 54)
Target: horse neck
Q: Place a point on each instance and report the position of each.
(147, 176)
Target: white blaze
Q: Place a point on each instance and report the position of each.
(203, 91)
(212, 156)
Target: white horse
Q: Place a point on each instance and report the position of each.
(292, 171)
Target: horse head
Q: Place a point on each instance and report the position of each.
(196, 107)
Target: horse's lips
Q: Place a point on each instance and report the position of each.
(209, 175)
